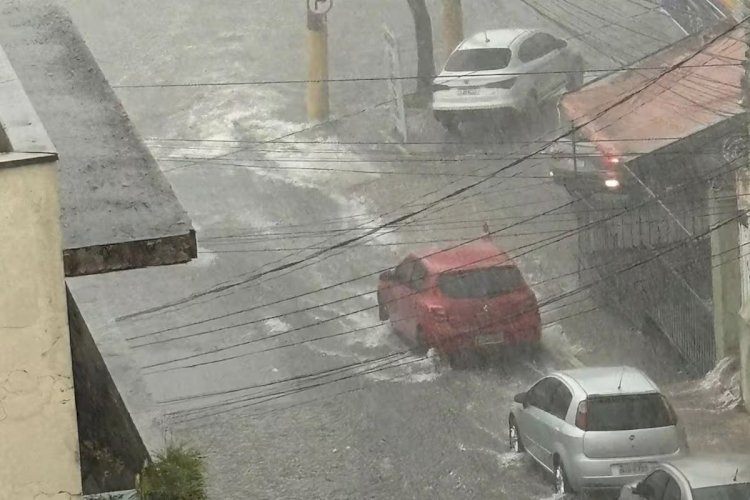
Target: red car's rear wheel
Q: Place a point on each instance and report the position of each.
(420, 342)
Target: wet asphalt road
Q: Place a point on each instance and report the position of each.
(313, 397)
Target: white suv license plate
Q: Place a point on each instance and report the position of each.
(631, 469)
(489, 339)
(468, 91)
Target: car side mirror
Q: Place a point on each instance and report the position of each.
(520, 398)
(387, 275)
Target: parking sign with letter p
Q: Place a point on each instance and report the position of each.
(319, 7)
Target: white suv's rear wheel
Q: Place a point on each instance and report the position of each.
(514, 436)
(449, 121)
(574, 79)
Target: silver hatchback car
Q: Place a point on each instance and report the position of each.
(596, 428)
(703, 477)
(504, 70)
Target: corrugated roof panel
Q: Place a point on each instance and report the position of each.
(673, 94)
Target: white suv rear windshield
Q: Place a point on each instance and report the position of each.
(478, 60)
(628, 412)
(480, 283)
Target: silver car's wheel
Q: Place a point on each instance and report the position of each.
(514, 438)
(562, 487)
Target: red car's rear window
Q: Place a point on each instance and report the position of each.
(480, 283)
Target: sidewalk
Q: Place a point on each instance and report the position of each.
(710, 410)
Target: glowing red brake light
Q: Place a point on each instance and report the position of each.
(612, 160)
(582, 416)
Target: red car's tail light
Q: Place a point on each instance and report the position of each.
(582, 419)
(531, 304)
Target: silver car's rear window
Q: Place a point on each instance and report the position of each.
(628, 412)
(478, 60)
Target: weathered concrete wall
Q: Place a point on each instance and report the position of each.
(112, 452)
(38, 429)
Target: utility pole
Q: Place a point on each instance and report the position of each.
(453, 25)
(425, 55)
(743, 240)
(318, 107)
(725, 261)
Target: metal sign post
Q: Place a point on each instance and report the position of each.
(395, 84)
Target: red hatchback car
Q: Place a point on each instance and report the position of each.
(465, 298)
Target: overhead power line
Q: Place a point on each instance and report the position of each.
(656, 255)
(468, 74)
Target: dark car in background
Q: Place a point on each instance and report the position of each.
(578, 165)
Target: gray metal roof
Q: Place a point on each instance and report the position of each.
(605, 380)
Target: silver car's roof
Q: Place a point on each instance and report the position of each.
(706, 470)
(605, 381)
(502, 38)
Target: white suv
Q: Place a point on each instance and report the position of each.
(504, 70)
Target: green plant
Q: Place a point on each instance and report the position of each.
(177, 473)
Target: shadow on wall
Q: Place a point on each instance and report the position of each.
(112, 451)
(5, 145)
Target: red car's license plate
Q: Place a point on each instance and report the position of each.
(489, 339)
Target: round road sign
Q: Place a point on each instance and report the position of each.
(319, 7)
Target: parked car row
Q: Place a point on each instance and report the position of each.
(604, 428)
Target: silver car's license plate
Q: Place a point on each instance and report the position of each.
(489, 339)
(632, 468)
(468, 91)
